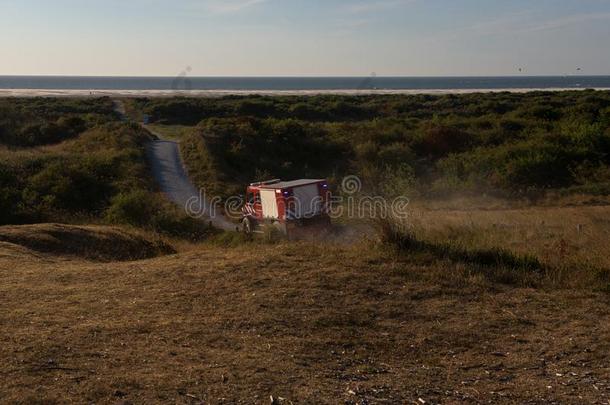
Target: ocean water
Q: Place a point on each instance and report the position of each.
(301, 83)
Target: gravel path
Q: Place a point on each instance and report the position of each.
(173, 180)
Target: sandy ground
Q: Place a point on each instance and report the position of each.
(221, 93)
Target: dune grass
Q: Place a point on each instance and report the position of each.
(553, 247)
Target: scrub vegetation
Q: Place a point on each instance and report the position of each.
(505, 145)
(93, 172)
(454, 155)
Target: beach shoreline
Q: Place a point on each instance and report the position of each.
(27, 93)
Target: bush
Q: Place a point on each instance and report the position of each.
(9, 195)
(146, 210)
(306, 112)
(256, 108)
(509, 144)
(77, 185)
(134, 208)
(510, 125)
(439, 141)
(232, 152)
(27, 122)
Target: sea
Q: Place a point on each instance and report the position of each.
(183, 82)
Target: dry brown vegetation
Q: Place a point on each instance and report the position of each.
(95, 243)
(301, 322)
(571, 243)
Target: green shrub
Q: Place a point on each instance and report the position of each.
(77, 185)
(34, 122)
(512, 126)
(503, 143)
(9, 195)
(143, 209)
(133, 208)
(439, 141)
(233, 151)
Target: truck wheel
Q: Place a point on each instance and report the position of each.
(246, 226)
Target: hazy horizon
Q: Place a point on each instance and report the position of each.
(310, 76)
(297, 38)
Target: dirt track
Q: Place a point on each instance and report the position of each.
(170, 175)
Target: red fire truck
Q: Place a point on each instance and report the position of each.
(289, 206)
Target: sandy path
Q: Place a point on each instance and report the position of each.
(173, 180)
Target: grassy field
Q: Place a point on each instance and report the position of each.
(571, 243)
(495, 288)
(299, 322)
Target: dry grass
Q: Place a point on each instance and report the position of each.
(571, 242)
(172, 132)
(305, 322)
(97, 243)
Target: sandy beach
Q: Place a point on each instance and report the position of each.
(4, 93)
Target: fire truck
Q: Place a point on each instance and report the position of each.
(292, 207)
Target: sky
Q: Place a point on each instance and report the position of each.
(304, 37)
